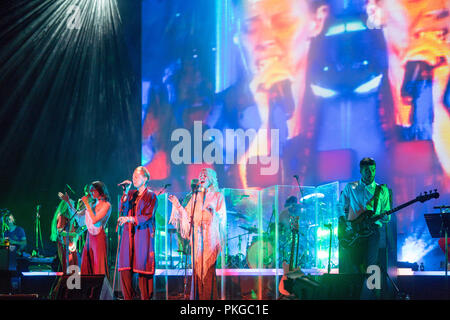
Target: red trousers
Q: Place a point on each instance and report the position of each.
(206, 289)
(95, 255)
(145, 285)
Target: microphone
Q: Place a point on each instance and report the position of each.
(327, 225)
(196, 187)
(124, 184)
(164, 188)
(296, 177)
(69, 188)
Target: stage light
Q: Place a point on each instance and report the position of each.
(370, 86)
(322, 254)
(322, 233)
(323, 92)
(414, 249)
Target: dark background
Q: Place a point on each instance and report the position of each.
(70, 104)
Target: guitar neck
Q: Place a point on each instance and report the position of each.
(404, 205)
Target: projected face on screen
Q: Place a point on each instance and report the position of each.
(339, 80)
(417, 38)
(276, 35)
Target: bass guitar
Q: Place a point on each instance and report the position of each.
(364, 226)
(289, 268)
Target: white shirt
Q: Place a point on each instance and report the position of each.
(357, 197)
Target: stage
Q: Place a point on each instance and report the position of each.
(301, 126)
(247, 284)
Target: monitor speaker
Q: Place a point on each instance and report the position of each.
(92, 287)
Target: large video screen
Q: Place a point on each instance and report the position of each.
(265, 90)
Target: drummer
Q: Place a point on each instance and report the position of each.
(291, 208)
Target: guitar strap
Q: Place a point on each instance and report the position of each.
(376, 198)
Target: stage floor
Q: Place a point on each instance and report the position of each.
(261, 284)
(255, 272)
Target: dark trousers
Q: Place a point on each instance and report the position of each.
(364, 254)
(145, 285)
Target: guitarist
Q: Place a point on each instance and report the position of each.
(61, 224)
(356, 198)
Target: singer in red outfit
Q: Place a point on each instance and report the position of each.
(206, 213)
(137, 247)
(94, 259)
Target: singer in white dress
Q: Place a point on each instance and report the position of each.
(202, 221)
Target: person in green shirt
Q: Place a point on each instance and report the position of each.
(356, 198)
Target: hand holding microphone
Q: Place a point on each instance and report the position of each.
(210, 208)
(122, 220)
(126, 185)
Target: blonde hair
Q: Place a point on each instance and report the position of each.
(213, 176)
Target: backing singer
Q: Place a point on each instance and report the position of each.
(137, 246)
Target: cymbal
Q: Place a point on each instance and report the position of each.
(312, 196)
(249, 229)
(238, 215)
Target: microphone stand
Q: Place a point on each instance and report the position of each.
(444, 228)
(185, 253)
(297, 235)
(38, 231)
(119, 240)
(67, 246)
(192, 232)
(329, 249)
(201, 232)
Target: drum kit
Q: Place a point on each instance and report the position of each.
(260, 249)
(257, 244)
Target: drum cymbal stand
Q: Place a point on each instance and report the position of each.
(38, 232)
